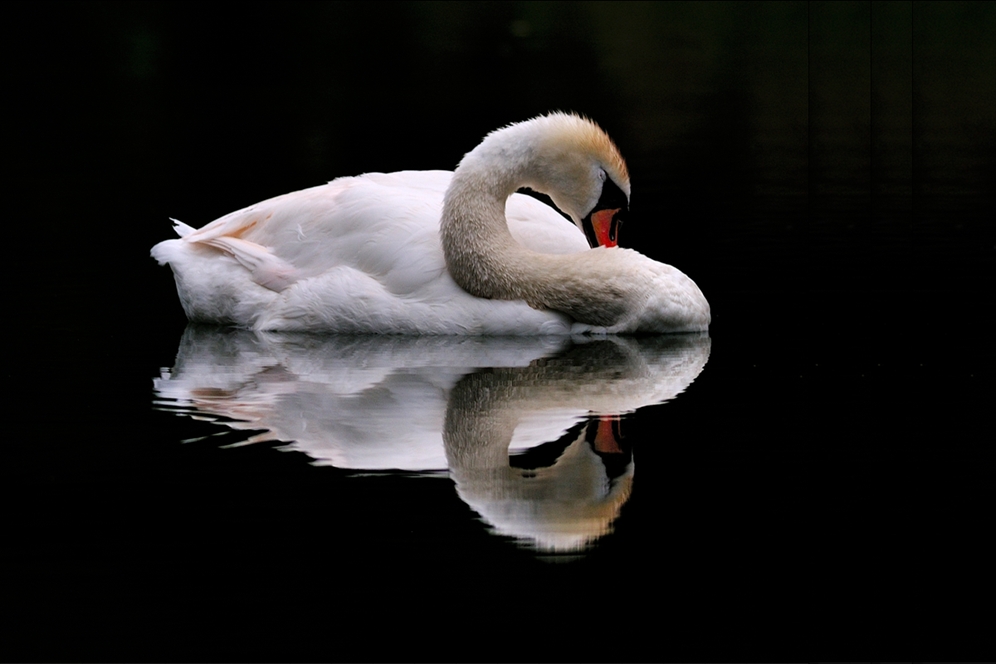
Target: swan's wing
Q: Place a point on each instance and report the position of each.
(386, 225)
(355, 255)
(267, 269)
(540, 228)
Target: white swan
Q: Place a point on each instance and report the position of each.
(443, 253)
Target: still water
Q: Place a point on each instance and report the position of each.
(450, 407)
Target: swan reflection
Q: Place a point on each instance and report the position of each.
(456, 404)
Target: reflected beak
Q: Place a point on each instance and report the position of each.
(606, 437)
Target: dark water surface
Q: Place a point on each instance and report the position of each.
(811, 480)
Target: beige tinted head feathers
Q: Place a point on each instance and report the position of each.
(593, 184)
(574, 134)
(567, 157)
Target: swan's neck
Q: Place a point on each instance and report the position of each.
(479, 248)
(484, 258)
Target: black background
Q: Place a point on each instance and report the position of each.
(824, 171)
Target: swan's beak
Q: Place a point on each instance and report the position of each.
(604, 226)
(601, 226)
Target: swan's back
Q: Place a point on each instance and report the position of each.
(359, 254)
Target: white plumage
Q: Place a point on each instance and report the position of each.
(363, 254)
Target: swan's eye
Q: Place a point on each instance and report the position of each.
(601, 175)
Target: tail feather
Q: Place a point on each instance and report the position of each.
(182, 229)
(165, 251)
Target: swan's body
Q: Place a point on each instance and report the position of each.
(436, 252)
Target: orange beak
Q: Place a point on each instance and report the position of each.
(606, 228)
(607, 436)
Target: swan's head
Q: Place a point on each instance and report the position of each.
(581, 169)
(574, 162)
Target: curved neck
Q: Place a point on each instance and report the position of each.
(486, 261)
(481, 254)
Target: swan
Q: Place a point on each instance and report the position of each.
(437, 252)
